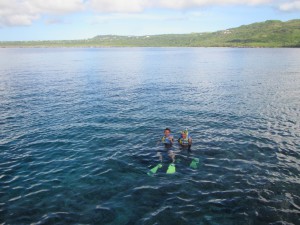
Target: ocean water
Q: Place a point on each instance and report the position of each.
(79, 131)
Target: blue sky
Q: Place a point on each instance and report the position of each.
(79, 19)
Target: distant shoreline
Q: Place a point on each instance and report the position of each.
(268, 34)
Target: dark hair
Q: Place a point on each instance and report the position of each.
(168, 129)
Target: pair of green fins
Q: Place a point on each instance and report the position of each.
(172, 168)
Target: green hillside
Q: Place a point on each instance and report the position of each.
(271, 33)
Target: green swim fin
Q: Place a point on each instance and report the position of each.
(154, 169)
(171, 168)
(194, 163)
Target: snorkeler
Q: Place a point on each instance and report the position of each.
(185, 140)
(168, 141)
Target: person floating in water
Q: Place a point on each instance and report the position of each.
(168, 141)
(185, 140)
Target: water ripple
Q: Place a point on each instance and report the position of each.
(77, 139)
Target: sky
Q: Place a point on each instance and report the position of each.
(80, 19)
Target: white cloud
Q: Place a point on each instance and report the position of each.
(137, 6)
(140, 5)
(180, 4)
(290, 6)
(57, 6)
(54, 21)
(24, 12)
(13, 13)
(118, 6)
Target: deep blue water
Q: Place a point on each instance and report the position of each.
(79, 131)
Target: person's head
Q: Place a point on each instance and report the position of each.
(184, 134)
(167, 132)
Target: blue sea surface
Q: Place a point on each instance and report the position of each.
(79, 130)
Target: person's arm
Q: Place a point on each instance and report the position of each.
(178, 140)
(171, 139)
(190, 144)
